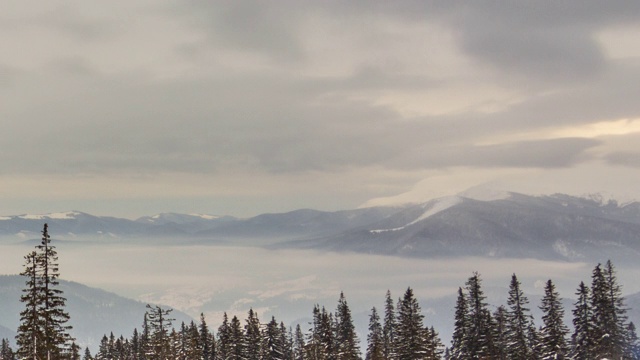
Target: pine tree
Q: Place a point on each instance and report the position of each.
(410, 335)
(298, 344)
(205, 337)
(236, 340)
(287, 341)
(252, 337)
(375, 341)
(224, 339)
(459, 350)
(159, 323)
(609, 313)
(54, 318)
(273, 341)
(582, 340)
(389, 329)
(87, 354)
(43, 332)
(6, 353)
(633, 347)
(499, 327)
(553, 334)
(435, 347)
(30, 329)
(347, 341)
(519, 321)
(478, 341)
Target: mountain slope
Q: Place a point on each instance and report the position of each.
(93, 312)
(548, 227)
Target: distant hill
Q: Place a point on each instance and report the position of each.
(93, 312)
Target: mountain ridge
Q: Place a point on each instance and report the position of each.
(556, 227)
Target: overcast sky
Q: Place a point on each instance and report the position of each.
(135, 107)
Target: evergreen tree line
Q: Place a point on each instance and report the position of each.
(601, 328)
(330, 336)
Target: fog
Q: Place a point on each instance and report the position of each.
(287, 283)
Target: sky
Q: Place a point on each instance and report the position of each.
(131, 108)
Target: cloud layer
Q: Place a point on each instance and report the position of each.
(234, 102)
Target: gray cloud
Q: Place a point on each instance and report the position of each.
(624, 158)
(205, 87)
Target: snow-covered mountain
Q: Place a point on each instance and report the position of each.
(544, 227)
(500, 225)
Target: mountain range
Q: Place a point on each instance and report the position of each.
(509, 225)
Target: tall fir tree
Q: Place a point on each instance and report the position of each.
(30, 329)
(237, 341)
(553, 334)
(375, 341)
(348, 345)
(205, 339)
(519, 321)
(159, 325)
(410, 334)
(632, 351)
(274, 346)
(223, 345)
(609, 313)
(6, 353)
(54, 317)
(252, 337)
(389, 329)
(459, 350)
(499, 327)
(298, 344)
(582, 339)
(479, 342)
(434, 346)
(43, 332)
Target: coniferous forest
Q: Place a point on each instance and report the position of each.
(600, 328)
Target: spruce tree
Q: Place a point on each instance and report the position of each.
(553, 334)
(223, 346)
(273, 341)
(347, 341)
(519, 321)
(252, 337)
(159, 323)
(236, 340)
(6, 353)
(205, 339)
(434, 346)
(459, 350)
(582, 339)
(478, 337)
(43, 332)
(633, 347)
(410, 334)
(375, 341)
(389, 328)
(30, 329)
(609, 313)
(298, 344)
(499, 326)
(286, 336)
